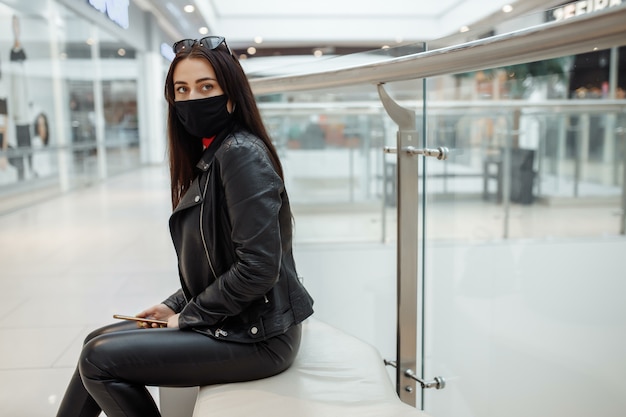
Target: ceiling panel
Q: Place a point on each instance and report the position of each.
(332, 22)
(331, 8)
(335, 24)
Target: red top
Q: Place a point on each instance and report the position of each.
(207, 141)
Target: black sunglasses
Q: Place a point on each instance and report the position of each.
(210, 42)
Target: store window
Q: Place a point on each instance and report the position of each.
(25, 98)
(68, 100)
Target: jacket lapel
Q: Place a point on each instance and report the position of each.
(192, 197)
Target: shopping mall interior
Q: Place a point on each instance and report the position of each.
(495, 241)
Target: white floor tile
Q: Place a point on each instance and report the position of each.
(32, 392)
(32, 348)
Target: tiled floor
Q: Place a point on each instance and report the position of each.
(69, 263)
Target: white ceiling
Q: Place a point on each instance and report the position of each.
(284, 21)
(332, 22)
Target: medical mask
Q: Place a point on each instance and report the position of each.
(205, 117)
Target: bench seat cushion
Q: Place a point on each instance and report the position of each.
(334, 374)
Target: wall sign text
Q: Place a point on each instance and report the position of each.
(582, 7)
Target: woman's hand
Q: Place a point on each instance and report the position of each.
(158, 312)
(172, 322)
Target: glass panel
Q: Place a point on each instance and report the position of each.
(102, 87)
(67, 103)
(331, 145)
(119, 101)
(27, 159)
(121, 130)
(535, 139)
(524, 247)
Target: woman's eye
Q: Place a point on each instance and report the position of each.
(181, 90)
(207, 87)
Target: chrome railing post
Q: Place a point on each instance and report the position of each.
(407, 173)
(407, 250)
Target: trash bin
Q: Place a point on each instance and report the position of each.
(522, 175)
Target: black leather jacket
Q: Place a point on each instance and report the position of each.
(232, 231)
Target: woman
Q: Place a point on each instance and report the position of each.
(237, 314)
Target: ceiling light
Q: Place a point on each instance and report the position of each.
(507, 8)
(258, 39)
(318, 53)
(90, 41)
(121, 52)
(251, 50)
(203, 30)
(384, 47)
(189, 8)
(464, 29)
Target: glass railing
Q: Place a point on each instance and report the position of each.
(522, 135)
(566, 153)
(521, 231)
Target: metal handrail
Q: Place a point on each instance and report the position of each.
(555, 106)
(598, 30)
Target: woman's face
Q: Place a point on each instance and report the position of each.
(195, 79)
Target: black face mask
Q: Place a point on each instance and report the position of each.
(205, 117)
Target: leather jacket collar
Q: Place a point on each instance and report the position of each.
(194, 195)
(209, 153)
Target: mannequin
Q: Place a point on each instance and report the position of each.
(19, 100)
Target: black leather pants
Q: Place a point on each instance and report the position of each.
(118, 362)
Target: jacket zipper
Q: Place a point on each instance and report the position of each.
(206, 249)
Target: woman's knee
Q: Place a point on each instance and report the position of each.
(91, 363)
(93, 335)
(105, 349)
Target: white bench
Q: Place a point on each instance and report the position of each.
(334, 374)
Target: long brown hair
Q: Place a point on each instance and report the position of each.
(184, 150)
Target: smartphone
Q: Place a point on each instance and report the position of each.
(145, 320)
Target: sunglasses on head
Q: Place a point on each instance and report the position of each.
(210, 42)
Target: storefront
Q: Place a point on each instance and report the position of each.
(70, 111)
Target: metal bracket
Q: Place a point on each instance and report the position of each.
(437, 383)
(404, 118)
(440, 153)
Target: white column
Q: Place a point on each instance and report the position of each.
(151, 104)
(60, 116)
(98, 104)
(151, 109)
